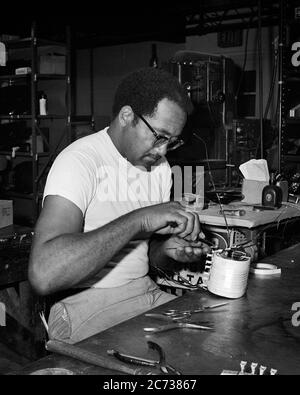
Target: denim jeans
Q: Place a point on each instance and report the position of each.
(91, 311)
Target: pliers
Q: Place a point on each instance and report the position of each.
(161, 363)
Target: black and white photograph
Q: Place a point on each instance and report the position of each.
(150, 191)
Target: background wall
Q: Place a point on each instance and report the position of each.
(112, 63)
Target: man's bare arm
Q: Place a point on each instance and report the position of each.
(63, 256)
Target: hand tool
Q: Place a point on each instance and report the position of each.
(168, 317)
(236, 213)
(79, 353)
(161, 363)
(175, 318)
(177, 325)
(197, 310)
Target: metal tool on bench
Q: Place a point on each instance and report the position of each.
(178, 325)
(79, 353)
(193, 311)
(160, 363)
(233, 212)
(182, 317)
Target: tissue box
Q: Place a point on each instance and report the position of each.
(252, 191)
(52, 64)
(6, 213)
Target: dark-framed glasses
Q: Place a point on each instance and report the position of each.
(172, 143)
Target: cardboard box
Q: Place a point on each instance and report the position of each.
(252, 191)
(6, 213)
(52, 64)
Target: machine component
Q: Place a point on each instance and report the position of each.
(245, 372)
(244, 141)
(228, 275)
(208, 78)
(210, 81)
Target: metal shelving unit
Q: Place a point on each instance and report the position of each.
(288, 84)
(39, 170)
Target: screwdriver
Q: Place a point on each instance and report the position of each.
(236, 213)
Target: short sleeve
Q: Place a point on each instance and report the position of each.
(72, 176)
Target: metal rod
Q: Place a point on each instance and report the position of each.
(280, 83)
(260, 83)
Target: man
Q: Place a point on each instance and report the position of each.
(105, 195)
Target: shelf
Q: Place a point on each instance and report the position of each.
(81, 120)
(293, 121)
(38, 76)
(15, 116)
(38, 163)
(26, 42)
(291, 158)
(14, 77)
(24, 154)
(52, 76)
(16, 195)
(50, 116)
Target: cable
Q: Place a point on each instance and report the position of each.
(214, 186)
(267, 227)
(183, 281)
(243, 68)
(273, 81)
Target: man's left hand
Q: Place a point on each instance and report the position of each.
(182, 250)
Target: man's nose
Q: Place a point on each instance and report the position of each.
(162, 150)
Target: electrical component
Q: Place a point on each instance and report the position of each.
(244, 371)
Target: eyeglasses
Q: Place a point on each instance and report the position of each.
(162, 140)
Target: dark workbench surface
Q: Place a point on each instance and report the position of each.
(255, 328)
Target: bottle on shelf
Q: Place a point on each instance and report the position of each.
(43, 103)
(154, 59)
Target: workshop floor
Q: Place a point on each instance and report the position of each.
(10, 361)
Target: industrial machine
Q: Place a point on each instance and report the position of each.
(210, 81)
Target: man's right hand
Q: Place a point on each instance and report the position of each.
(170, 218)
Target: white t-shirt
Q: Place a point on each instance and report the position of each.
(93, 175)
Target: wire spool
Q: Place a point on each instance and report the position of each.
(229, 275)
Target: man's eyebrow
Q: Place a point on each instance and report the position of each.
(163, 131)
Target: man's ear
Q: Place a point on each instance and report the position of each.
(126, 116)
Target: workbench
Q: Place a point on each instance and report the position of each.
(255, 328)
(253, 225)
(23, 331)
